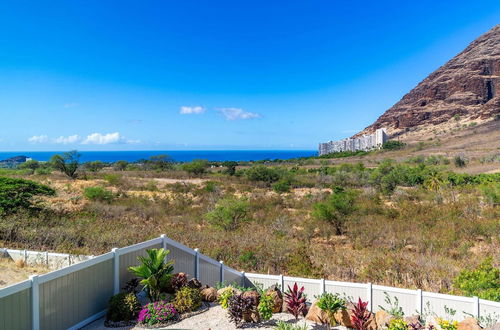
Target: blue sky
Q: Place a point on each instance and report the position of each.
(145, 75)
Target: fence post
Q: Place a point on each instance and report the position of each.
(419, 301)
(243, 282)
(26, 257)
(221, 271)
(282, 283)
(323, 288)
(369, 295)
(196, 264)
(47, 258)
(35, 303)
(476, 307)
(163, 241)
(116, 271)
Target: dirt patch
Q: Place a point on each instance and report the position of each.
(11, 273)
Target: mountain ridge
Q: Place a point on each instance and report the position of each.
(461, 92)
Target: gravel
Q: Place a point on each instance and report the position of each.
(216, 318)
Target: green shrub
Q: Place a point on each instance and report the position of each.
(282, 186)
(17, 194)
(483, 281)
(224, 296)
(393, 145)
(94, 166)
(113, 179)
(196, 167)
(43, 171)
(98, 194)
(123, 307)
(187, 300)
(336, 209)
(282, 325)
(492, 194)
(460, 161)
(331, 303)
(266, 306)
(229, 213)
(263, 173)
(397, 324)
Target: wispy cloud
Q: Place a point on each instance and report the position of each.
(237, 113)
(39, 139)
(67, 140)
(71, 105)
(98, 138)
(196, 110)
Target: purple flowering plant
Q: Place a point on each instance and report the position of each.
(157, 312)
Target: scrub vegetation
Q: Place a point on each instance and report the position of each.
(413, 222)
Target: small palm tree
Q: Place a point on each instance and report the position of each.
(155, 272)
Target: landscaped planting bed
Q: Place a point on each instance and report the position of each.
(168, 300)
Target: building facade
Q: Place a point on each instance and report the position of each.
(364, 142)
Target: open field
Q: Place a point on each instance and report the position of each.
(413, 222)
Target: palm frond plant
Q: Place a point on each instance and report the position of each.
(155, 271)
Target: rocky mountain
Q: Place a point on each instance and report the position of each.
(463, 92)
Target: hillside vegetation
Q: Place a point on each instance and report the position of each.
(411, 223)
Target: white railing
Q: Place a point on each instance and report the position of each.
(71, 297)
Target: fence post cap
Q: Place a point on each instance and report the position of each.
(222, 262)
(163, 236)
(114, 250)
(197, 250)
(33, 277)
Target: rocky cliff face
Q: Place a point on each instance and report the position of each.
(464, 90)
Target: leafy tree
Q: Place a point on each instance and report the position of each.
(230, 167)
(16, 194)
(336, 209)
(155, 272)
(160, 162)
(483, 281)
(263, 173)
(67, 163)
(120, 165)
(32, 165)
(229, 213)
(94, 166)
(196, 167)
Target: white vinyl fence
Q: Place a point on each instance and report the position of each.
(71, 297)
(49, 260)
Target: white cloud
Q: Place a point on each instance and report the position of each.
(196, 110)
(133, 141)
(67, 140)
(38, 139)
(98, 138)
(237, 113)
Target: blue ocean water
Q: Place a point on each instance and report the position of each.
(177, 155)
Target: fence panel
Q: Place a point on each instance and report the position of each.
(209, 271)
(437, 303)
(489, 309)
(73, 294)
(252, 280)
(232, 276)
(184, 258)
(128, 257)
(15, 306)
(311, 287)
(407, 299)
(352, 291)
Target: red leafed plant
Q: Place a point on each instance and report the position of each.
(295, 300)
(360, 315)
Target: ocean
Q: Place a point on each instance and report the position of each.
(177, 155)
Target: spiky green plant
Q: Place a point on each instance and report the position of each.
(155, 272)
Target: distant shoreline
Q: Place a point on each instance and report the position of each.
(177, 155)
